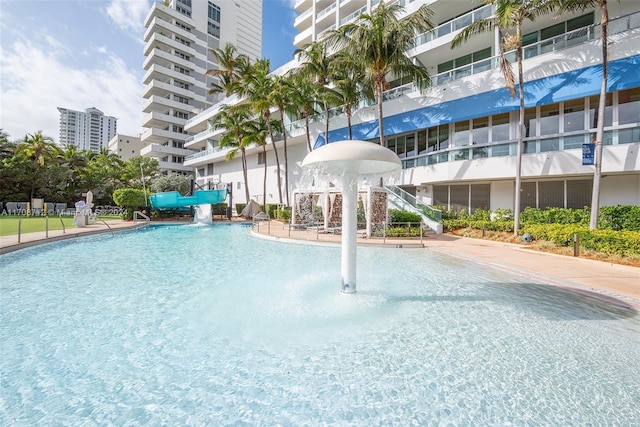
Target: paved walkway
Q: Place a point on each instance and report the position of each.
(618, 283)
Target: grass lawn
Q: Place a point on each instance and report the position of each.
(9, 224)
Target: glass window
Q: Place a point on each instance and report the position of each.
(593, 110)
(500, 127)
(549, 119)
(530, 38)
(530, 123)
(445, 66)
(573, 115)
(629, 136)
(575, 141)
(480, 133)
(480, 152)
(552, 31)
(401, 150)
(391, 145)
(432, 140)
(629, 106)
(580, 21)
(441, 195)
(422, 142)
(461, 155)
(443, 136)
(411, 145)
(461, 136)
(500, 150)
(550, 144)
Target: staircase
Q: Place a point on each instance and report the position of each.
(402, 200)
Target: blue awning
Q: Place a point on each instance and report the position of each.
(623, 74)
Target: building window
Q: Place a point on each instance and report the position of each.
(262, 158)
(213, 23)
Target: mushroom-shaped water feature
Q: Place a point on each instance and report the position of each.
(349, 160)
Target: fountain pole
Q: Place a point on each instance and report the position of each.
(349, 231)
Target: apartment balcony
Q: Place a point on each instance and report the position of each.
(304, 38)
(159, 38)
(159, 150)
(158, 55)
(161, 136)
(158, 88)
(159, 103)
(200, 122)
(303, 21)
(161, 72)
(159, 25)
(303, 5)
(171, 166)
(199, 140)
(157, 119)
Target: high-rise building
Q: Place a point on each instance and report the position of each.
(178, 38)
(457, 140)
(88, 130)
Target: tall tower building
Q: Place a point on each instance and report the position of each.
(88, 130)
(178, 39)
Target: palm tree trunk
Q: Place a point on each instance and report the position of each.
(326, 125)
(264, 180)
(379, 89)
(286, 158)
(306, 122)
(597, 174)
(245, 175)
(516, 205)
(267, 116)
(347, 111)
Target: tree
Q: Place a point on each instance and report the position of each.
(316, 63)
(303, 91)
(347, 89)
(379, 42)
(172, 182)
(231, 66)
(257, 132)
(281, 96)
(509, 16)
(565, 6)
(257, 87)
(40, 149)
(235, 120)
(137, 172)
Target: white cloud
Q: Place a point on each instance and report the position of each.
(129, 14)
(36, 79)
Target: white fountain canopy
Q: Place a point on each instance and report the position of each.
(361, 157)
(349, 160)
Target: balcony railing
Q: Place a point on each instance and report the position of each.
(454, 25)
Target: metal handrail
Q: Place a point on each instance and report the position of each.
(108, 226)
(136, 214)
(429, 211)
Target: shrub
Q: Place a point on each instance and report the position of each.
(130, 199)
(620, 217)
(396, 215)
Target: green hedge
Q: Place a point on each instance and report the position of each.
(610, 242)
(455, 224)
(396, 215)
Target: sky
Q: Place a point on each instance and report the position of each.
(78, 54)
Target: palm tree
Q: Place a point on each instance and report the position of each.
(235, 120)
(304, 91)
(509, 15)
(379, 42)
(347, 89)
(232, 65)
(257, 87)
(257, 132)
(565, 6)
(40, 149)
(316, 63)
(281, 97)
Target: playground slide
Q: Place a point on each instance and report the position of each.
(173, 199)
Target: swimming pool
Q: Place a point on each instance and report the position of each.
(205, 325)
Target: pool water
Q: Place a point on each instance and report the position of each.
(206, 325)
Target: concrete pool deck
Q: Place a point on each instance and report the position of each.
(615, 282)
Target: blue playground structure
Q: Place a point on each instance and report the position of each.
(173, 199)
